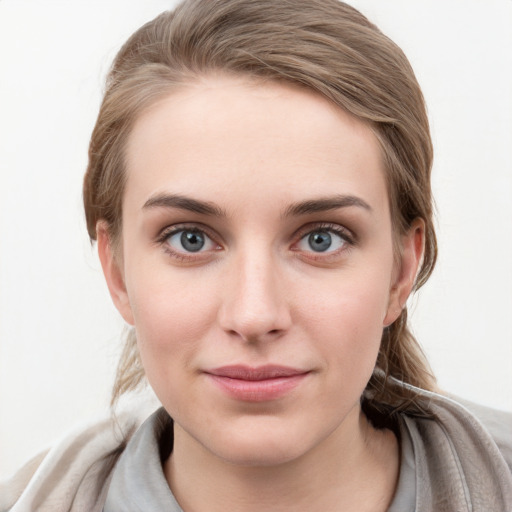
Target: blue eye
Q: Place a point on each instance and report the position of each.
(319, 241)
(322, 240)
(190, 240)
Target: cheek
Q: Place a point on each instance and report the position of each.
(170, 304)
(345, 320)
(171, 317)
(347, 304)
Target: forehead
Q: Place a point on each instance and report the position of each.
(225, 136)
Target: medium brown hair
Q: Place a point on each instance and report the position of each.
(323, 45)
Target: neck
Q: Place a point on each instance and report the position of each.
(354, 469)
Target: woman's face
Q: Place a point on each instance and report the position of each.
(257, 266)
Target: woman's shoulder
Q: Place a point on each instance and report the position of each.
(74, 471)
(459, 415)
(463, 454)
(498, 423)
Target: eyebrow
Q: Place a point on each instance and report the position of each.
(325, 204)
(184, 203)
(296, 209)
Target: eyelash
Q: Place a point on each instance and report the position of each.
(184, 256)
(346, 235)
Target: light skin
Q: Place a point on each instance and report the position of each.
(257, 231)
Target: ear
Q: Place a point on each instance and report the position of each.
(113, 272)
(412, 244)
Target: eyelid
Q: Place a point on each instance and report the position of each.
(346, 234)
(166, 232)
(173, 229)
(338, 229)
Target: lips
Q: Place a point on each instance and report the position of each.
(258, 384)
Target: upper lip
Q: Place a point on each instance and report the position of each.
(266, 372)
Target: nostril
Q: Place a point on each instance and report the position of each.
(255, 337)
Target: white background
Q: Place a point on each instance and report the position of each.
(59, 333)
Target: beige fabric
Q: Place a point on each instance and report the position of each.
(11, 489)
(72, 475)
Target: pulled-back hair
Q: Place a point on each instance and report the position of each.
(323, 45)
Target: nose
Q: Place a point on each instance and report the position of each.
(255, 306)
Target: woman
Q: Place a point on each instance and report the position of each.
(259, 188)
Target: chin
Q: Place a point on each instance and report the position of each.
(262, 442)
(261, 452)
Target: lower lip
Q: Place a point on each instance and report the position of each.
(257, 390)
